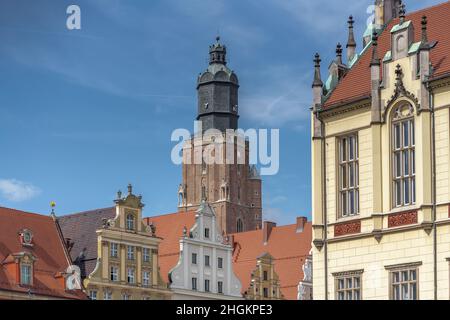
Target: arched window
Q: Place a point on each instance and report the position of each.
(130, 222)
(403, 156)
(239, 226)
(204, 193)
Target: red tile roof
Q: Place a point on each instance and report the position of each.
(288, 248)
(48, 248)
(170, 227)
(356, 84)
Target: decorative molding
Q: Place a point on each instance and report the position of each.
(351, 227)
(399, 92)
(402, 219)
(403, 265)
(345, 108)
(348, 273)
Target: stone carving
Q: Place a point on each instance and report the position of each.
(402, 219)
(347, 228)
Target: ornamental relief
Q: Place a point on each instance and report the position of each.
(348, 228)
(402, 219)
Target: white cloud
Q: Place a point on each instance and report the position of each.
(18, 191)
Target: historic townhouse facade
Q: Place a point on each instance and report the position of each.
(204, 268)
(116, 252)
(274, 263)
(380, 161)
(34, 263)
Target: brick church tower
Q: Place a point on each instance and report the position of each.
(233, 190)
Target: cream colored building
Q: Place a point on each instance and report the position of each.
(381, 162)
(116, 252)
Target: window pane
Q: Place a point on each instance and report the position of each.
(396, 292)
(413, 138)
(356, 283)
(413, 291)
(344, 177)
(341, 284)
(397, 136)
(398, 193)
(406, 163)
(344, 150)
(413, 190)
(395, 277)
(405, 134)
(349, 295)
(412, 275)
(352, 202)
(398, 165)
(406, 190)
(351, 146)
(357, 295)
(341, 295)
(344, 203)
(349, 283)
(351, 171)
(405, 294)
(404, 275)
(413, 162)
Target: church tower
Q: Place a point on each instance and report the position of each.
(233, 190)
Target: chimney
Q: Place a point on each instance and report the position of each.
(351, 43)
(375, 66)
(301, 222)
(267, 230)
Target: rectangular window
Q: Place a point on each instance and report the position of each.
(206, 285)
(220, 263)
(114, 250)
(25, 274)
(403, 163)
(126, 296)
(107, 295)
(220, 287)
(266, 292)
(404, 284)
(348, 287)
(207, 261)
(130, 252)
(265, 276)
(206, 233)
(114, 273)
(131, 276)
(93, 295)
(194, 258)
(146, 278)
(349, 175)
(146, 254)
(194, 284)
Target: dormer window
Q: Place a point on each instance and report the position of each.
(207, 233)
(130, 222)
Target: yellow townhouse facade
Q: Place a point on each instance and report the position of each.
(380, 161)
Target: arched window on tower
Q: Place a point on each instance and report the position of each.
(239, 225)
(403, 156)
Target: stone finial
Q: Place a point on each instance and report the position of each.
(375, 58)
(317, 77)
(351, 43)
(424, 42)
(402, 12)
(130, 189)
(53, 205)
(119, 195)
(339, 53)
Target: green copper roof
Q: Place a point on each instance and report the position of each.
(414, 47)
(388, 56)
(355, 58)
(400, 26)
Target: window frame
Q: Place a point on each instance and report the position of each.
(146, 253)
(146, 275)
(219, 263)
(345, 276)
(343, 187)
(111, 273)
(131, 276)
(398, 147)
(194, 258)
(131, 254)
(207, 260)
(93, 294)
(401, 282)
(220, 287)
(194, 284)
(132, 226)
(29, 274)
(207, 285)
(114, 250)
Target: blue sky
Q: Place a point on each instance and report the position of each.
(85, 112)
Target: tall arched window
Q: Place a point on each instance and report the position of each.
(239, 226)
(403, 156)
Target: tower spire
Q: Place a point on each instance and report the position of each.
(339, 53)
(375, 58)
(317, 77)
(351, 43)
(402, 12)
(424, 45)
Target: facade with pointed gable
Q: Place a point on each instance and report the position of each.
(270, 262)
(216, 164)
(116, 252)
(34, 263)
(201, 265)
(380, 162)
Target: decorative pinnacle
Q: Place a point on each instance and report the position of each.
(119, 195)
(317, 78)
(130, 189)
(424, 44)
(375, 59)
(402, 12)
(351, 37)
(53, 205)
(218, 39)
(339, 53)
(398, 73)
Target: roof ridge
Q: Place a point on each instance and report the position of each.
(170, 214)
(25, 212)
(84, 212)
